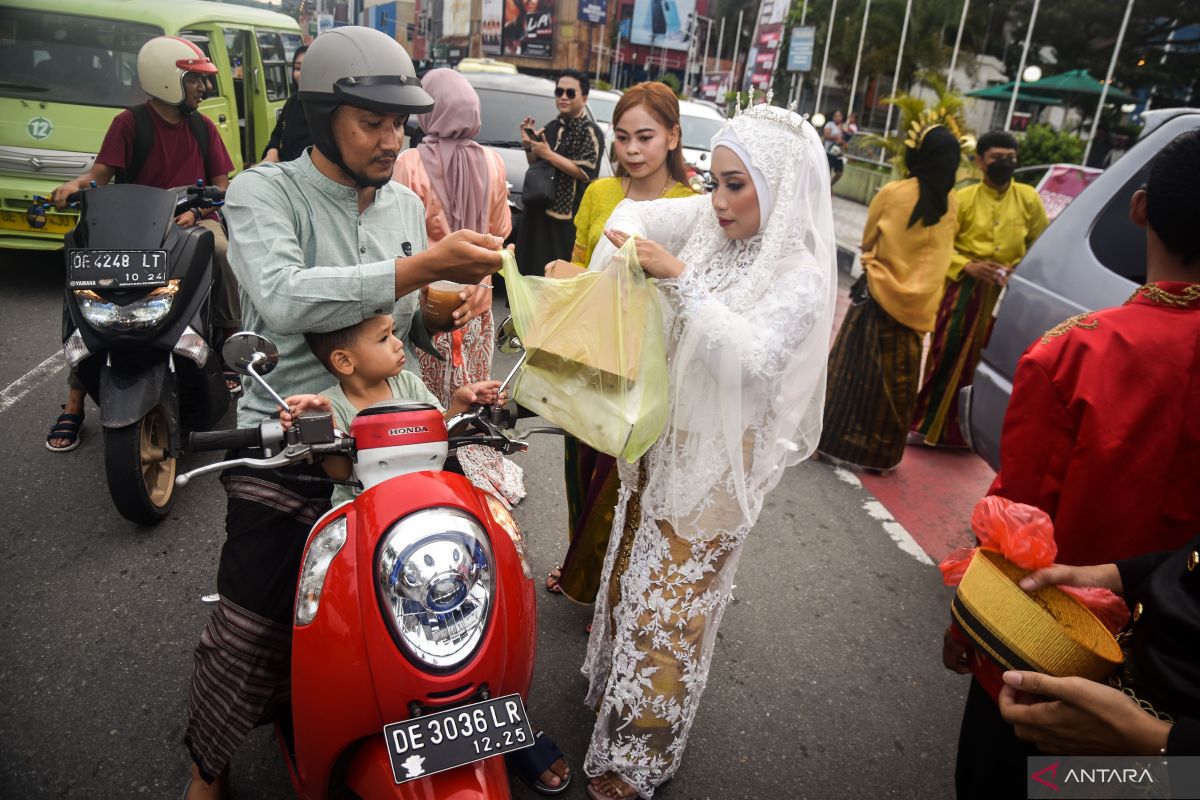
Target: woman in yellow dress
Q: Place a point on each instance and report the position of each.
(649, 167)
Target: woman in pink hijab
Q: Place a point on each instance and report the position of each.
(463, 185)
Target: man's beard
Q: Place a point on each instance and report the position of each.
(364, 181)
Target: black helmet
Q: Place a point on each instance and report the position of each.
(359, 67)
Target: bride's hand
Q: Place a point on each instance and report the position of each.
(652, 256)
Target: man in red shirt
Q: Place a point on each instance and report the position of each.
(174, 72)
(1102, 433)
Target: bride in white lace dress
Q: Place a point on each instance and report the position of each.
(747, 276)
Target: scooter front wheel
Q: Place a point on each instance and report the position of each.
(141, 476)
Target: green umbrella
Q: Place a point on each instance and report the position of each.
(1079, 81)
(1004, 92)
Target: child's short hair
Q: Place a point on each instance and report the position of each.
(323, 344)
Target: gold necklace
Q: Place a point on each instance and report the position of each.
(666, 187)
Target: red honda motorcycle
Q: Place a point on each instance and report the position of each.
(415, 623)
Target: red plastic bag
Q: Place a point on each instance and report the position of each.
(1022, 534)
(1108, 608)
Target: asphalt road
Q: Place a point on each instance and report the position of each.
(826, 681)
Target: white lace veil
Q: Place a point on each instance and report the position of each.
(748, 328)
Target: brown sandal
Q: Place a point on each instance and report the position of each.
(552, 579)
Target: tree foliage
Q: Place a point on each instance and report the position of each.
(1044, 145)
(1082, 34)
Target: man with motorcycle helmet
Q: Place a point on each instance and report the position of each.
(317, 243)
(183, 147)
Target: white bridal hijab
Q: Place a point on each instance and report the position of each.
(748, 326)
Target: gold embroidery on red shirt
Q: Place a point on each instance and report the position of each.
(1077, 321)
(1157, 294)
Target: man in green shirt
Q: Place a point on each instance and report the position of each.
(317, 244)
(998, 219)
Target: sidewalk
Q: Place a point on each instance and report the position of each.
(849, 218)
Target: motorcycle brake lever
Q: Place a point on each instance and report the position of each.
(289, 456)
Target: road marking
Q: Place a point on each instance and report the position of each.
(31, 380)
(846, 476)
(896, 531)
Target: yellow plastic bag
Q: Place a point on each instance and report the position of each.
(596, 364)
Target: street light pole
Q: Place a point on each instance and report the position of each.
(862, 37)
(1012, 103)
(1112, 64)
(962, 23)
(707, 41)
(887, 126)
(737, 41)
(825, 60)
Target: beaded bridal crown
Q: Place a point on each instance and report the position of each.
(783, 116)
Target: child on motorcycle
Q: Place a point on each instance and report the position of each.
(368, 361)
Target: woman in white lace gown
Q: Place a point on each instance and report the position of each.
(747, 277)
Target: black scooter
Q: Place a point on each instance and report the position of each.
(137, 329)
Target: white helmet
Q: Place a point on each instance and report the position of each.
(164, 61)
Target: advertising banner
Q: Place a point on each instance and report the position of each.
(800, 49)
(662, 23)
(456, 18)
(529, 28)
(764, 45)
(593, 11)
(492, 27)
(766, 50)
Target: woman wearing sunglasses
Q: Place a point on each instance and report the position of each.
(571, 145)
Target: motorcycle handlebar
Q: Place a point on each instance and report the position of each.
(225, 440)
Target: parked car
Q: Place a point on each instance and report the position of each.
(700, 123)
(505, 100)
(490, 65)
(1091, 257)
(70, 66)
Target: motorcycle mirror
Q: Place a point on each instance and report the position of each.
(507, 340)
(249, 354)
(247, 349)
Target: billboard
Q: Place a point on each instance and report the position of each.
(529, 28)
(492, 27)
(800, 49)
(662, 23)
(382, 18)
(456, 18)
(593, 11)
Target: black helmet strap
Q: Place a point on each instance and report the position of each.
(320, 124)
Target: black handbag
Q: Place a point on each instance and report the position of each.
(538, 190)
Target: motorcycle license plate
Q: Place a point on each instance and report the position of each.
(452, 737)
(116, 269)
(55, 223)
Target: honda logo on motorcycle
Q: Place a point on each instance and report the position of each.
(408, 431)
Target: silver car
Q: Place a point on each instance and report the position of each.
(1091, 257)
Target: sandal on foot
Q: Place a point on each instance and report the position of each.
(530, 763)
(233, 382)
(552, 579)
(596, 794)
(65, 427)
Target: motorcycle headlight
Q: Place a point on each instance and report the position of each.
(504, 519)
(137, 316)
(321, 551)
(434, 577)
